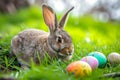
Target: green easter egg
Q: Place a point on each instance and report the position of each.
(100, 57)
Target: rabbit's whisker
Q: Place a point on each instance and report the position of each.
(61, 54)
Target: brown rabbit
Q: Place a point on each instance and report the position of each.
(57, 43)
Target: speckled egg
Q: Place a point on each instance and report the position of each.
(92, 61)
(79, 69)
(114, 58)
(102, 60)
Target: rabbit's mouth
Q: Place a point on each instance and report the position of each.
(68, 54)
(64, 57)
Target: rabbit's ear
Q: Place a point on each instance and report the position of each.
(49, 17)
(64, 19)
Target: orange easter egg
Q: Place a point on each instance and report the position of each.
(79, 69)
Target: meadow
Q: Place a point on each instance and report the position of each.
(87, 34)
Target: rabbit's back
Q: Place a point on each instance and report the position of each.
(28, 43)
(31, 33)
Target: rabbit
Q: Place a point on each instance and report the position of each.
(32, 42)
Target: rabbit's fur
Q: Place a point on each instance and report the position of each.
(57, 43)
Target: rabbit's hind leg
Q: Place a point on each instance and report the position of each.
(16, 51)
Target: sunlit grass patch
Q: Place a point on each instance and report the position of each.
(87, 34)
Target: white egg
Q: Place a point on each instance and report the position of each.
(114, 58)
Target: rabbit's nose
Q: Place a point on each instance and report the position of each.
(68, 52)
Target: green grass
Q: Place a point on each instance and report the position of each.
(87, 34)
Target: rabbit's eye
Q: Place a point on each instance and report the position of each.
(59, 39)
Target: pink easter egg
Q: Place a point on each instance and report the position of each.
(92, 61)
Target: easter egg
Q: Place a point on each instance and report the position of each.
(79, 69)
(102, 60)
(92, 61)
(114, 58)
